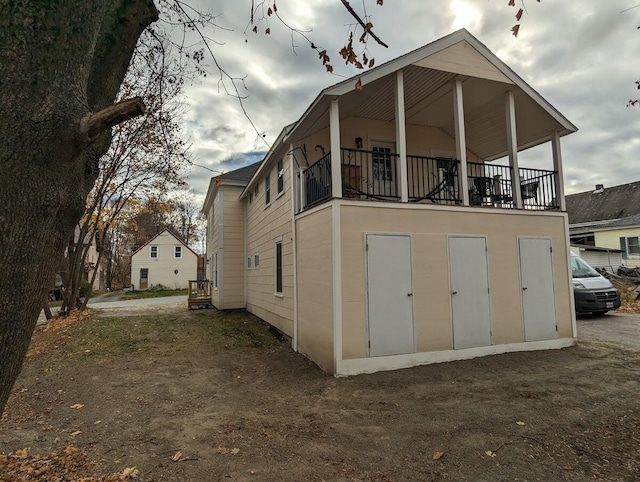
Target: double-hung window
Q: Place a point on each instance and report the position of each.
(630, 246)
(280, 177)
(267, 189)
(177, 252)
(153, 251)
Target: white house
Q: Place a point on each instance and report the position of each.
(163, 260)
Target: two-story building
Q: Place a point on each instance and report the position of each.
(392, 224)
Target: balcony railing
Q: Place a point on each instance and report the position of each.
(316, 182)
(373, 175)
(370, 174)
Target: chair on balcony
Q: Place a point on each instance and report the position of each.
(446, 188)
(481, 189)
(529, 189)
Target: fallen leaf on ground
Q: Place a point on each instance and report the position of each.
(437, 455)
(567, 467)
(77, 432)
(130, 472)
(177, 456)
(235, 451)
(77, 406)
(70, 449)
(490, 453)
(21, 453)
(520, 423)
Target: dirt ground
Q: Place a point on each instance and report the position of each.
(196, 396)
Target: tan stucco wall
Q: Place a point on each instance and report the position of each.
(611, 239)
(315, 287)
(265, 224)
(233, 250)
(429, 228)
(161, 269)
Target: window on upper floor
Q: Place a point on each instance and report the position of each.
(153, 251)
(177, 251)
(256, 260)
(630, 246)
(280, 176)
(267, 190)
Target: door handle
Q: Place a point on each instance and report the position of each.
(454, 292)
(409, 294)
(524, 288)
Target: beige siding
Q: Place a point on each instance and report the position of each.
(162, 269)
(265, 224)
(429, 229)
(212, 247)
(315, 287)
(233, 251)
(462, 58)
(611, 239)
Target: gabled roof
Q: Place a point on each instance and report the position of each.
(428, 77)
(239, 177)
(611, 203)
(172, 233)
(244, 174)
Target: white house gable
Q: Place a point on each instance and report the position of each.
(463, 59)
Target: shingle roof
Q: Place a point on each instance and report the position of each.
(243, 174)
(611, 203)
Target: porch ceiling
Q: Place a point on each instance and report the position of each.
(429, 102)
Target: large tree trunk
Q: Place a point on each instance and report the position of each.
(59, 62)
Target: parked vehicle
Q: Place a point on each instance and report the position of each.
(593, 292)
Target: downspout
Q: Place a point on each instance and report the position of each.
(245, 212)
(295, 248)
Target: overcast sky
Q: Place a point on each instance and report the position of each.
(582, 56)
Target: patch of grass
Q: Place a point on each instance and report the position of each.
(154, 292)
(161, 335)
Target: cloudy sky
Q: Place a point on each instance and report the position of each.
(583, 57)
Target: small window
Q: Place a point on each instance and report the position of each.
(256, 190)
(153, 251)
(279, 266)
(250, 197)
(267, 190)
(256, 260)
(280, 176)
(248, 262)
(623, 247)
(633, 247)
(215, 270)
(177, 251)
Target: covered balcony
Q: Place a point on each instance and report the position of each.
(442, 125)
(375, 176)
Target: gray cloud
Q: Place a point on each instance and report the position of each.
(581, 56)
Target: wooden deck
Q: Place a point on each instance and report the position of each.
(199, 294)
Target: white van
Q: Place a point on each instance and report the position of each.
(593, 292)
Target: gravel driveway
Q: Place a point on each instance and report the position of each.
(621, 328)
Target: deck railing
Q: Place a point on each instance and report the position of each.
(316, 182)
(434, 178)
(370, 174)
(373, 175)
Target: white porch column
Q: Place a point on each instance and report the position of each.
(401, 137)
(461, 141)
(557, 166)
(334, 133)
(512, 146)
